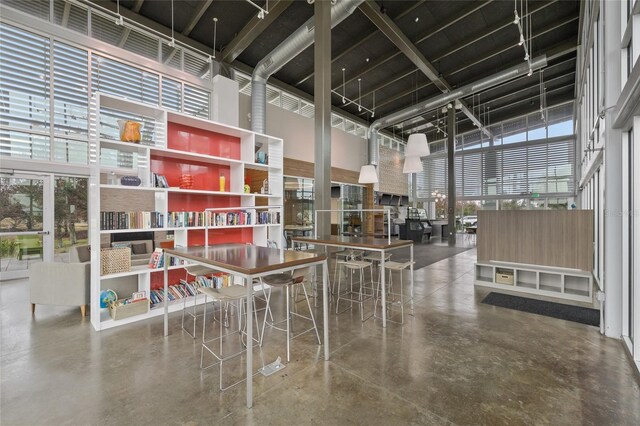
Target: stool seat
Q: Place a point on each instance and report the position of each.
(355, 264)
(198, 270)
(233, 292)
(376, 256)
(350, 253)
(278, 280)
(397, 266)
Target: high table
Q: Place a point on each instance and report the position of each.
(249, 262)
(380, 245)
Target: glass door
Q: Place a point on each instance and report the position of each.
(25, 223)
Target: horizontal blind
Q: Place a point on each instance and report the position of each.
(24, 94)
(196, 101)
(522, 170)
(171, 94)
(25, 82)
(70, 71)
(118, 79)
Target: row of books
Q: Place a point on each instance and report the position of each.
(230, 219)
(159, 181)
(188, 289)
(237, 218)
(268, 218)
(131, 220)
(156, 260)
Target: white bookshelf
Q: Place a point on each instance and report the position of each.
(111, 159)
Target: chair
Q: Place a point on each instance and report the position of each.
(67, 284)
(297, 278)
(399, 267)
(194, 271)
(350, 295)
(234, 294)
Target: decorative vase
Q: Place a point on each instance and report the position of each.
(130, 131)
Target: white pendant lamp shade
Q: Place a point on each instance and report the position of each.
(368, 174)
(417, 146)
(412, 165)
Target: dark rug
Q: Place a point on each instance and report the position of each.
(579, 314)
(426, 254)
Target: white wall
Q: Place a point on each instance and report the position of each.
(347, 151)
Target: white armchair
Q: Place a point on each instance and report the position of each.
(60, 284)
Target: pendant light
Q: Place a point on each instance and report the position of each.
(368, 174)
(412, 165)
(417, 146)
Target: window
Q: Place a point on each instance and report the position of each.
(24, 94)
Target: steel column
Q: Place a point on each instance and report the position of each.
(322, 104)
(451, 170)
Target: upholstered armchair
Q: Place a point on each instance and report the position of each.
(62, 283)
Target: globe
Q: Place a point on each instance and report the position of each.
(106, 297)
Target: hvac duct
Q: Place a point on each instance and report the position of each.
(445, 98)
(291, 47)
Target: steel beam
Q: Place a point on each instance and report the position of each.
(395, 34)
(475, 6)
(252, 30)
(137, 6)
(196, 16)
(366, 38)
(65, 14)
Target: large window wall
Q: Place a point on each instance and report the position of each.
(47, 86)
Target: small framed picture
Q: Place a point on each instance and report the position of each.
(138, 295)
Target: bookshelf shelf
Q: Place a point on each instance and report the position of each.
(173, 145)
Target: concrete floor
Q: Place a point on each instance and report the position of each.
(456, 362)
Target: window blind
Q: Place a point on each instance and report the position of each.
(24, 94)
(546, 168)
(196, 102)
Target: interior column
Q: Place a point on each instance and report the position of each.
(322, 105)
(451, 170)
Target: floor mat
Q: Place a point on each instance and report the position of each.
(550, 309)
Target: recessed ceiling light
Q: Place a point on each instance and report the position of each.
(417, 18)
(367, 59)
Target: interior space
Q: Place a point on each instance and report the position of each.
(362, 212)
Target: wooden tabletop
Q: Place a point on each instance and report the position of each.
(363, 242)
(246, 259)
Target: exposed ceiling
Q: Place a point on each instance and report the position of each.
(462, 41)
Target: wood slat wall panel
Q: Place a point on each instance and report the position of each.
(305, 169)
(562, 238)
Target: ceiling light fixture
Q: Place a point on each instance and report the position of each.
(368, 174)
(417, 146)
(359, 96)
(412, 165)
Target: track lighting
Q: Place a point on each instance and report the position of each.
(516, 20)
(526, 56)
(530, 72)
(521, 42)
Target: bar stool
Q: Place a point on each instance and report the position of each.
(352, 266)
(393, 266)
(347, 254)
(297, 278)
(196, 271)
(227, 295)
(375, 258)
